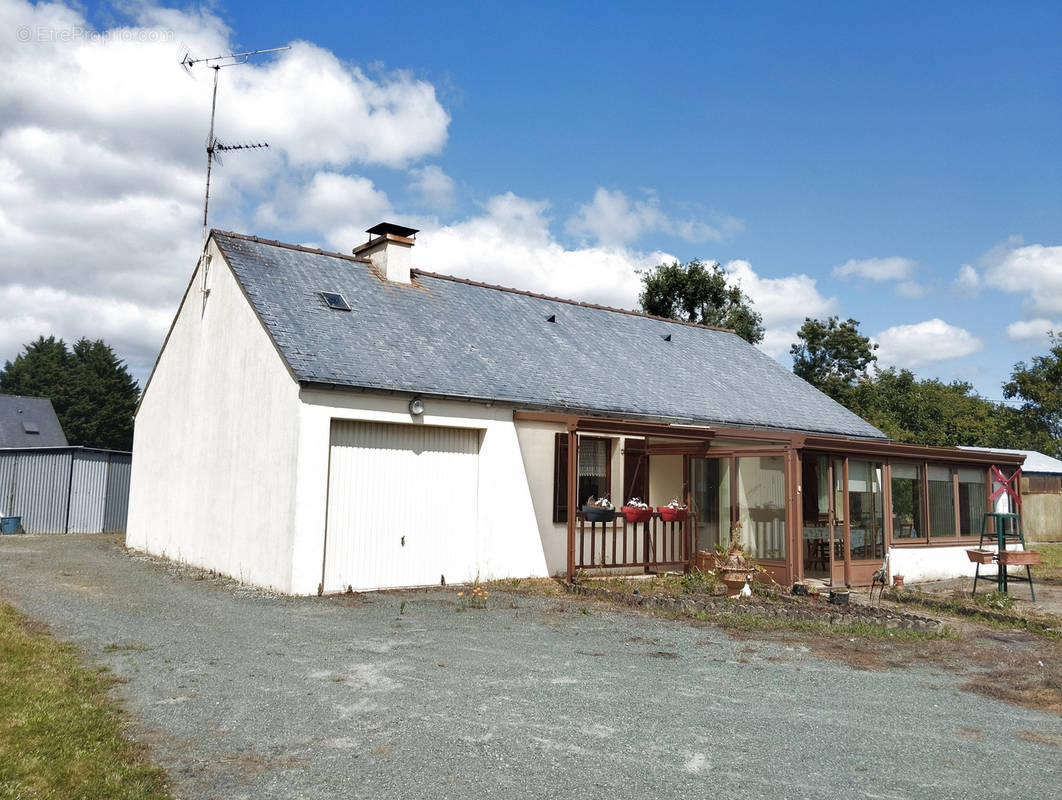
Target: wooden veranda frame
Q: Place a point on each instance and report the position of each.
(692, 440)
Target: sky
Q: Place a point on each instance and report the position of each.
(897, 163)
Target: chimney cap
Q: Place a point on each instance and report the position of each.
(389, 227)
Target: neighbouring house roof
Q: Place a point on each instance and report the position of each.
(29, 422)
(1035, 461)
(454, 338)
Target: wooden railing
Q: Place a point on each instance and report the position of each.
(654, 544)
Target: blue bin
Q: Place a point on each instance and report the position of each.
(10, 524)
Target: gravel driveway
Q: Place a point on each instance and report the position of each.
(240, 694)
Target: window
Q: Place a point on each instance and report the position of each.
(594, 476)
(941, 502)
(761, 505)
(866, 510)
(973, 501)
(907, 502)
(335, 301)
(595, 471)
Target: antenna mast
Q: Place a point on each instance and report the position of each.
(214, 147)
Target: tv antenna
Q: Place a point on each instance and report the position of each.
(214, 146)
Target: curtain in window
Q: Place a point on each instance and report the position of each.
(593, 457)
(761, 504)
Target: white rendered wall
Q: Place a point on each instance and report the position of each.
(537, 442)
(665, 480)
(939, 563)
(215, 442)
(508, 541)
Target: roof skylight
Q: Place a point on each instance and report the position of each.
(335, 300)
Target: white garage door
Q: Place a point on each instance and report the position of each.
(402, 506)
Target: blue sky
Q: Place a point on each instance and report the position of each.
(895, 163)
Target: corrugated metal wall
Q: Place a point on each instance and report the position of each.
(65, 490)
(116, 508)
(402, 505)
(88, 492)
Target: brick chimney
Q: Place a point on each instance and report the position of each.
(389, 248)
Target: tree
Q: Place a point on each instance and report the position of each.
(1039, 387)
(92, 392)
(832, 355)
(699, 292)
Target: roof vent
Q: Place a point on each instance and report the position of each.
(390, 250)
(30, 427)
(551, 318)
(667, 338)
(335, 300)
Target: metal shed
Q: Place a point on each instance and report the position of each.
(65, 489)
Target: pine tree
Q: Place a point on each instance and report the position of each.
(92, 392)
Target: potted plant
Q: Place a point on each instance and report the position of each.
(599, 509)
(636, 511)
(732, 568)
(673, 511)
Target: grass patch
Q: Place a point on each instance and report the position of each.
(860, 630)
(990, 613)
(1050, 567)
(60, 734)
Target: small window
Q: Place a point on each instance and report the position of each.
(594, 475)
(335, 301)
(31, 427)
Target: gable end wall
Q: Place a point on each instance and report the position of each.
(216, 442)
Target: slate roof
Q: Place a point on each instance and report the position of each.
(1035, 461)
(448, 337)
(21, 416)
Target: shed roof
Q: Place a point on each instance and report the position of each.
(1035, 461)
(29, 422)
(450, 337)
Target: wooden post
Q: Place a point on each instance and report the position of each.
(573, 482)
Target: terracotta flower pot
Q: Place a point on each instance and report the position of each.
(978, 556)
(669, 514)
(632, 514)
(733, 579)
(1022, 557)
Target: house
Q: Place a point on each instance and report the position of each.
(1041, 495)
(29, 422)
(320, 422)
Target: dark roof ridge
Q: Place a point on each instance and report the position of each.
(598, 306)
(480, 284)
(301, 248)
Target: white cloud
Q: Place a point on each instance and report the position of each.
(923, 343)
(338, 206)
(613, 219)
(1035, 329)
(911, 289)
(968, 281)
(1032, 270)
(133, 330)
(877, 269)
(511, 244)
(102, 162)
(783, 302)
(434, 186)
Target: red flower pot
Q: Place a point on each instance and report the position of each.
(632, 514)
(669, 514)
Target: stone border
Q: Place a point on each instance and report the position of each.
(781, 607)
